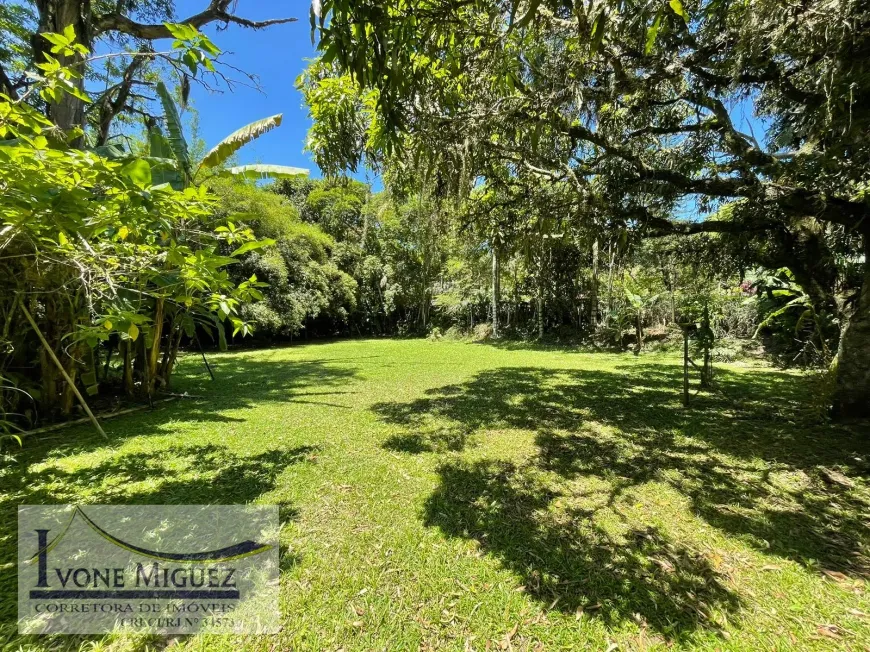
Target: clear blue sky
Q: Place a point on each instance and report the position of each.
(277, 55)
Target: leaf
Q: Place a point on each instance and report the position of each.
(123, 232)
(164, 168)
(836, 575)
(315, 15)
(176, 139)
(678, 8)
(222, 335)
(110, 151)
(133, 332)
(139, 172)
(830, 631)
(597, 32)
(652, 33)
(262, 171)
(238, 139)
(182, 32)
(250, 246)
(529, 15)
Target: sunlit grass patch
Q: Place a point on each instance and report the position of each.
(460, 496)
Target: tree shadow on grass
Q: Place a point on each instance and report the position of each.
(179, 475)
(737, 456)
(240, 383)
(567, 560)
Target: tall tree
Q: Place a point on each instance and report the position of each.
(635, 103)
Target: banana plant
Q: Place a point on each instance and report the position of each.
(173, 147)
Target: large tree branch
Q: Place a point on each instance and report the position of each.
(6, 85)
(217, 11)
(660, 227)
(111, 107)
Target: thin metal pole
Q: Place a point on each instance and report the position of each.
(207, 366)
(63, 372)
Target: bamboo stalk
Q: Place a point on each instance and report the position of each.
(108, 415)
(63, 372)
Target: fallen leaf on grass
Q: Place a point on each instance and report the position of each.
(506, 643)
(859, 613)
(831, 631)
(664, 563)
(837, 575)
(833, 477)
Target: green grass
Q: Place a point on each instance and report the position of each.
(465, 496)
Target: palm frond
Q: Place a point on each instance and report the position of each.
(175, 137)
(262, 171)
(238, 139)
(166, 169)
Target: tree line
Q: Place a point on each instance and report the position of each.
(535, 155)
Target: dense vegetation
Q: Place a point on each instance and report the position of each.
(499, 456)
(533, 193)
(105, 249)
(618, 115)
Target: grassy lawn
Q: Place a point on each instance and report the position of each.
(462, 496)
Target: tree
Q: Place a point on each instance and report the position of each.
(97, 257)
(129, 25)
(628, 102)
(174, 149)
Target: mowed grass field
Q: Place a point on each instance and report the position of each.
(460, 496)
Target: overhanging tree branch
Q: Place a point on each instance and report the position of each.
(217, 11)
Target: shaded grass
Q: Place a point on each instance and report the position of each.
(448, 495)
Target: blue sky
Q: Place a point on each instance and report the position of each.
(277, 55)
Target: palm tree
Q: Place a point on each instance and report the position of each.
(173, 149)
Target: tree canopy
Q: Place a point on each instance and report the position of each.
(635, 106)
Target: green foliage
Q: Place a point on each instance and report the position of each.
(635, 113)
(104, 258)
(238, 139)
(219, 155)
(304, 284)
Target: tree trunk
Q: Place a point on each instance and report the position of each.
(593, 292)
(68, 396)
(496, 291)
(852, 398)
(152, 363)
(638, 331)
(540, 297)
(128, 366)
(55, 15)
(610, 286)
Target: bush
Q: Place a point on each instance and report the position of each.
(455, 333)
(482, 332)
